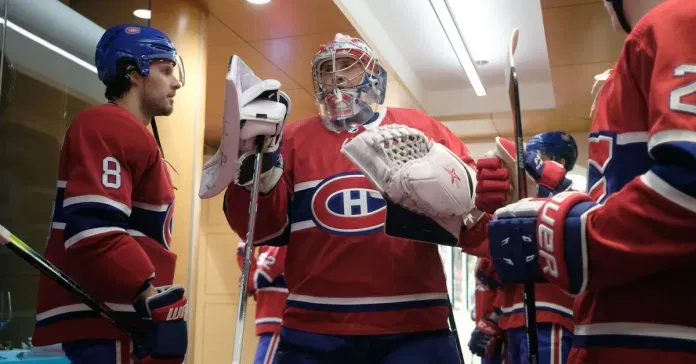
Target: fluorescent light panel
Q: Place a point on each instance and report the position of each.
(49, 45)
(450, 27)
(143, 13)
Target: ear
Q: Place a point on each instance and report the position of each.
(562, 161)
(135, 77)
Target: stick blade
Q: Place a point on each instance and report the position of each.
(513, 46)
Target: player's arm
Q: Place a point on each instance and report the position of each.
(100, 172)
(271, 265)
(252, 266)
(273, 203)
(646, 227)
(474, 236)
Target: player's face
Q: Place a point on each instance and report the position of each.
(348, 73)
(160, 88)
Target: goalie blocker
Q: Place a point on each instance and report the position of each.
(429, 191)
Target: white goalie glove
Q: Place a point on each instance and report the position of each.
(253, 107)
(416, 175)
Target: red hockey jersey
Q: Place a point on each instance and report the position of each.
(267, 285)
(485, 302)
(634, 255)
(111, 225)
(345, 276)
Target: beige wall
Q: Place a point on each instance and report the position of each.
(217, 293)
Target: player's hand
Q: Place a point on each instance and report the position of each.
(165, 334)
(550, 176)
(487, 339)
(530, 240)
(495, 177)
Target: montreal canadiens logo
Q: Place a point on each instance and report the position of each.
(132, 30)
(348, 204)
(168, 225)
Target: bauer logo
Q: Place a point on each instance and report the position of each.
(348, 204)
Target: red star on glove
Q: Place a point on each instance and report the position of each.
(453, 174)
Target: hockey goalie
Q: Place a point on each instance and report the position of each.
(329, 185)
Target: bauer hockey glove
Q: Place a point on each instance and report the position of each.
(487, 338)
(165, 334)
(540, 239)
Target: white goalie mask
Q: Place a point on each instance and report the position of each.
(349, 83)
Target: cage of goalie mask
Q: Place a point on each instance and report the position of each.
(349, 92)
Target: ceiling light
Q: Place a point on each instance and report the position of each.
(259, 2)
(143, 13)
(444, 14)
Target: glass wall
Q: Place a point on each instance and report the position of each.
(48, 76)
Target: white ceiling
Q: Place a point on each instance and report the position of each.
(409, 38)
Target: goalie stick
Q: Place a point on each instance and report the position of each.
(29, 255)
(514, 93)
(253, 206)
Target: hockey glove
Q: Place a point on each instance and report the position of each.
(165, 332)
(550, 176)
(487, 339)
(540, 239)
(497, 177)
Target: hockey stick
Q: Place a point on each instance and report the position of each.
(242, 304)
(529, 300)
(453, 329)
(29, 255)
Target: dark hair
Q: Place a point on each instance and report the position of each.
(121, 83)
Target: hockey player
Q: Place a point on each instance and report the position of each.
(112, 221)
(267, 285)
(487, 339)
(626, 249)
(547, 158)
(357, 295)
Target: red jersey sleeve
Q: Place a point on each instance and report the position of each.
(272, 216)
(271, 264)
(474, 240)
(648, 225)
(104, 160)
(486, 289)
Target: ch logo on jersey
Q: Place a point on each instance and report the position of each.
(600, 156)
(168, 225)
(348, 204)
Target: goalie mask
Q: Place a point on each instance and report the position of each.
(349, 83)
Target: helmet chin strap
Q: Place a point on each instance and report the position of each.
(157, 139)
(621, 15)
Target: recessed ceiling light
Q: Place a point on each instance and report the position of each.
(143, 13)
(259, 2)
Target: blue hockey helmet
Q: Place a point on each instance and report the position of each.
(136, 43)
(556, 145)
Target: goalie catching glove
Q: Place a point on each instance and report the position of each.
(428, 189)
(253, 108)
